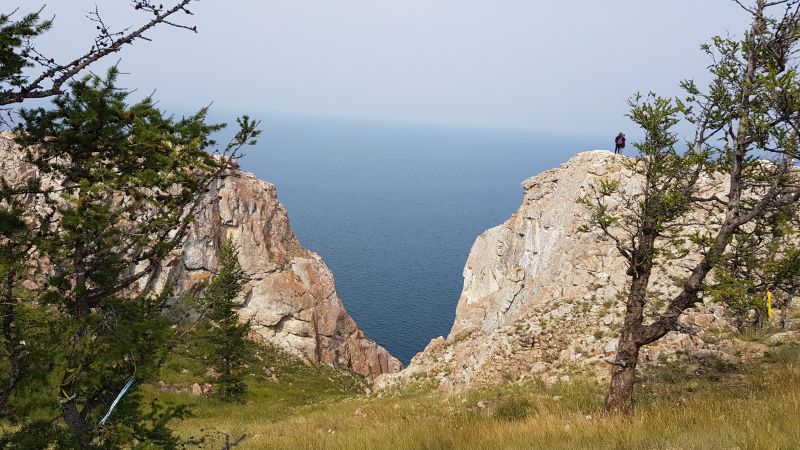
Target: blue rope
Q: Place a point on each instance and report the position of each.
(116, 400)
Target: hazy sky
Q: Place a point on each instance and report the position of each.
(565, 66)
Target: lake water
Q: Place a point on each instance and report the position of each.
(394, 208)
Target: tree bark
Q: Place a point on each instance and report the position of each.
(13, 348)
(785, 310)
(619, 399)
(76, 422)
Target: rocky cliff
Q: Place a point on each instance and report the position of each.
(543, 300)
(290, 296)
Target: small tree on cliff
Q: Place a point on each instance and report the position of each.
(228, 345)
(750, 113)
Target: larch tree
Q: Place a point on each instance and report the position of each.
(747, 135)
(761, 265)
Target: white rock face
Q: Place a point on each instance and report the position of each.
(291, 294)
(542, 299)
(537, 256)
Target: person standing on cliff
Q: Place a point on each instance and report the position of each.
(620, 143)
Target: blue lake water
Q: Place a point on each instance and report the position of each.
(394, 208)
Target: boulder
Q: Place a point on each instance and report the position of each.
(785, 337)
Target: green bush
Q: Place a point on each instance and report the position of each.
(512, 409)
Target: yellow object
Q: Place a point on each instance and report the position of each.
(67, 397)
(769, 303)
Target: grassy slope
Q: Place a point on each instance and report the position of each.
(319, 408)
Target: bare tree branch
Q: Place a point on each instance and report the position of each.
(106, 43)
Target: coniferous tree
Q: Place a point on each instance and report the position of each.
(70, 254)
(14, 243)
(228, 347)
(125, 181)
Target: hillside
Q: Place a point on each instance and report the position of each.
(680, 405)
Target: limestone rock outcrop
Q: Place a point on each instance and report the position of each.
(543, 299)
(290, 296)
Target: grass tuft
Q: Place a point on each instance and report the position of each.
(512, 409)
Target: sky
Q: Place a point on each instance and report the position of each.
(540, 66)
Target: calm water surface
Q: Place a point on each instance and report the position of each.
(394, 209)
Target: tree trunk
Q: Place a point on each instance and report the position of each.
(619, 399)
(79, 267)
(76, 422)
(12, 348)
(785, 310)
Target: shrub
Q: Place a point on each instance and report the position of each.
(512, 409)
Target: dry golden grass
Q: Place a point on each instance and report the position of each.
(753, 408)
